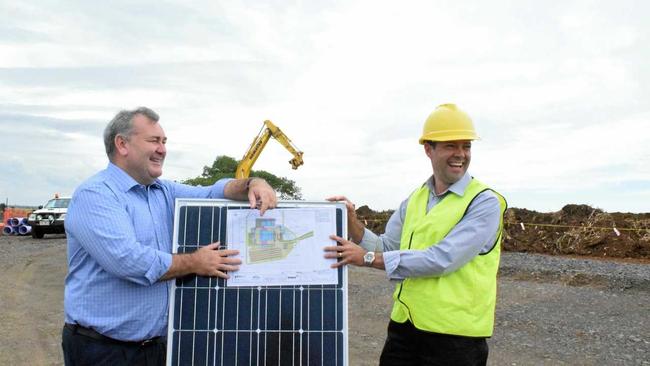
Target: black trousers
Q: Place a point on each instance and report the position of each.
(406, 345)
(81, 350)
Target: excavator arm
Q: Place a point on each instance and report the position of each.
(268, 130)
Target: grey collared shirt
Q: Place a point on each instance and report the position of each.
(474, 234)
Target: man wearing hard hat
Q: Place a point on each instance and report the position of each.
(442, 248)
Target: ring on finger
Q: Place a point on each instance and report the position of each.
(340, 254)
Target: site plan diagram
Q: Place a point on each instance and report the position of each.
(283, 247)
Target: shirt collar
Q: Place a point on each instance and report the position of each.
(457, 188)
(123, 180)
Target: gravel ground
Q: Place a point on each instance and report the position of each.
(576, 271)
(550, 311)
(571, 311)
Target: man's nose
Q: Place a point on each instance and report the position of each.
(459, 151)
(162, 149)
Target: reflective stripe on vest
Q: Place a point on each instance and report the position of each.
(461, 302)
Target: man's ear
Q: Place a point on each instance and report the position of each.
(428, 150)
(120, 145)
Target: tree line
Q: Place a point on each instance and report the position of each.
(226, 166)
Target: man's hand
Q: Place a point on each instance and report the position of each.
(212, 261)
(206, 261)
(258, 193)
(347, 252)
(261, 195)
(355, 227)
(349, 205)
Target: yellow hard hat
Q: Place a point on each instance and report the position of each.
(448, 123)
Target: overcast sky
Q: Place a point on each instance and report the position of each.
(559, 92)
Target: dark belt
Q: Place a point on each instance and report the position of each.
(90, 333)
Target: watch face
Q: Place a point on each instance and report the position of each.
(369, 257)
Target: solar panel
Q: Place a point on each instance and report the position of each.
(211, 323)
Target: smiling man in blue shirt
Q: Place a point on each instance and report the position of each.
(119, 229)
(441, 247)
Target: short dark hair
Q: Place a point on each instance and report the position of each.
(122, 124)
(431, 143)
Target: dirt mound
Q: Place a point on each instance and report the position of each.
(374, 220)
(574, 230)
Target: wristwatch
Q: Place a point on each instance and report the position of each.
(368, 258)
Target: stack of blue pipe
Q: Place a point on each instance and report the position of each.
(16, 226)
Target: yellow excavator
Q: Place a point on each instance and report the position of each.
(268, 130)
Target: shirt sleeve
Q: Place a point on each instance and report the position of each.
(475, 233)
(102, 226)
(180, 190)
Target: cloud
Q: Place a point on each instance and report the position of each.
(558, 92)
(42, 156)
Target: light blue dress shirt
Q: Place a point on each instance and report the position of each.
(475, 233)
(119, 245)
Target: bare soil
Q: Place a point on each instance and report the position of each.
(574, 230)
(579, 230)
(551, 310)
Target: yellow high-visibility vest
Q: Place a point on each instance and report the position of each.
(461, 302)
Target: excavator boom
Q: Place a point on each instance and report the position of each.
(268, 130)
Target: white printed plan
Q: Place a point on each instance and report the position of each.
(283, 247)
